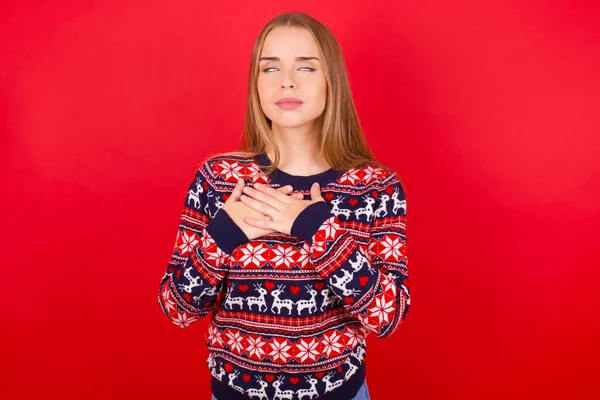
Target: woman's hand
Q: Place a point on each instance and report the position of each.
(281, 209)
(238, 210)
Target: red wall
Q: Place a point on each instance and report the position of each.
(488, 110)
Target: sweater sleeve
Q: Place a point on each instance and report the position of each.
(200, 258)
(371, 280)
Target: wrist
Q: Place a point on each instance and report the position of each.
(308, 222)
(225, 232)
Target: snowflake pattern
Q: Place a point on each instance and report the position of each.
(392, 248)
(307, 349)
(283, 256)
(331, 343)
(254, 346)
(234, 341)
(280, 348)
(252, 256)
(382, 309)
(352, 271)
(187, 242)
(167, 302)
(183, 320)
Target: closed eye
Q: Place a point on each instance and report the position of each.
(309, 68)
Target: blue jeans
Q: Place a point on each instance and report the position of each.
(363, 393)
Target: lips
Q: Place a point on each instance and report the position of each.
(289, 100)
(289, 106)
(288, 103)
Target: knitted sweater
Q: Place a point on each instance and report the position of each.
(290, 313)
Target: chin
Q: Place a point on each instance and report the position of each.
(293, 124)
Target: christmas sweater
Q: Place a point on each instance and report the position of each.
(290, 313)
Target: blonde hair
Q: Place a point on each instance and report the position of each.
(343, 143)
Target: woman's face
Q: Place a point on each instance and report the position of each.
(290, 77)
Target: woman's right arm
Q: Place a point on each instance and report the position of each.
(200, 258)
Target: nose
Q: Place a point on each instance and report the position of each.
(288, 79)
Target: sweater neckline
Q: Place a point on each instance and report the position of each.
(298, 181)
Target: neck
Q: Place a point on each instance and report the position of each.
(299, 151)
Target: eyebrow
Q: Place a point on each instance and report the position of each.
(301, 58)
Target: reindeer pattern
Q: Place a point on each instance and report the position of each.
(244, 294)
(280, 299)
(273, 385)
(258, 284)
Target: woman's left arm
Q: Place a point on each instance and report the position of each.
(371, 280)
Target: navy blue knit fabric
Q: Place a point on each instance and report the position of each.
(290, 312)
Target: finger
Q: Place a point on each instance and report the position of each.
(265, 198)
(315, 191)
(261, 188)
(239, 186)
(263, 218)
(237, 191)
(285, 189)
(259, 222)
(259, 206)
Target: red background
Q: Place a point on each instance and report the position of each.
(487, 110)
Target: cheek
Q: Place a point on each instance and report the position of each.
(264, 95)
(320, 97)
(320, 93)
(260, 87)
(323, 93)
(263, 86)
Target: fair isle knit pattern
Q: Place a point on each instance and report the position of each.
(290, 313)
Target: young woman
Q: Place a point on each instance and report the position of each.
(296, 243)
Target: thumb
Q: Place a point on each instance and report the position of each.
(315, 192)
(237, 191)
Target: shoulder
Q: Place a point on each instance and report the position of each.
(386, 178)
(225, 168)
(372, 174)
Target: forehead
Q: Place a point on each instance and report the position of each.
(289, 42)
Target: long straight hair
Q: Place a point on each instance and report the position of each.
(343, 143)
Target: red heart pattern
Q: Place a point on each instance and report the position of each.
(246, 343)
